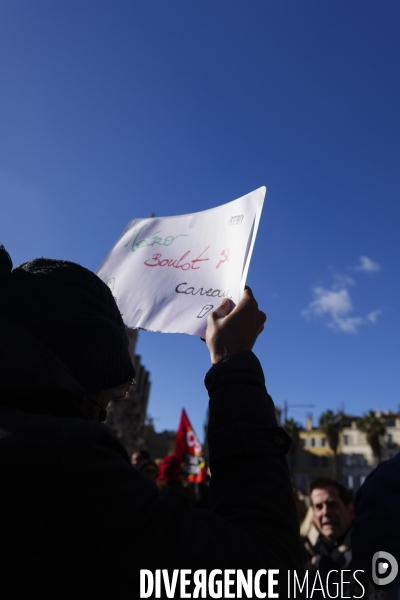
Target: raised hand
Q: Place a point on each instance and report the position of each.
(234, 330)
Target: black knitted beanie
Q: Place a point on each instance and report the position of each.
(71, 311)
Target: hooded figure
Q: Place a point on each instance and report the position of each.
(79, 521)
(376, 530)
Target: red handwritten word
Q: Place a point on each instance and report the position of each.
(225, 254)
(155, 261)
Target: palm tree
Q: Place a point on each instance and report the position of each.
(331, 425)
(292, 428)
(374, 427)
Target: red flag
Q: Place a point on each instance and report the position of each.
(189, 451)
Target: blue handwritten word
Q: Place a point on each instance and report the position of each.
(202, 291)
(150, 240)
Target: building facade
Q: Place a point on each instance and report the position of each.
(355, 460)
(126, 416)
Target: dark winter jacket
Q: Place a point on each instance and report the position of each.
(377, 528)
(78, 521)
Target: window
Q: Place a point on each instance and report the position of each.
(390, 423)
(348, 460)
(346, 440)
(362, 479)
(390, 438)
(350, 481)
(312, 442)
(323, 441)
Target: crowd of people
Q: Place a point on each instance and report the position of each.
(167, 474)
(80, 521)
(326, 517)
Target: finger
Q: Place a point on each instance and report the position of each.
(223, 309)
(263, 316)
(247, 300)
(260, 330)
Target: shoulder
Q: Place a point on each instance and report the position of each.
(376, 523)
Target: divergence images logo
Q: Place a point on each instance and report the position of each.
(382, 568)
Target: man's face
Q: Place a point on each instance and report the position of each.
(150, 471)
(331, 517)
(103, 399)
(135, 458)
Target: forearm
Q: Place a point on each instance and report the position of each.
(250, 484)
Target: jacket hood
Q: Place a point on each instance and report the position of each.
(34, 379)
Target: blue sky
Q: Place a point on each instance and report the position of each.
(112, 110)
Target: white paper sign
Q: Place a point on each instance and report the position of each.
(168, 273)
